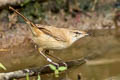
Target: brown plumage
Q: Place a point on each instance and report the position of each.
(50, 37)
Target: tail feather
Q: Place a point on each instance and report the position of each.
(26, 20)
(31, 25)
(34, 29)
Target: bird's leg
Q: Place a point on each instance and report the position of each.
(47, 58)
(57, 58)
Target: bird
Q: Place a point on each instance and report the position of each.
(50, 37)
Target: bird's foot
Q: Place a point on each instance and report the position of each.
(54, 63)
(65, 64)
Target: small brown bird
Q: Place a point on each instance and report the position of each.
(50, 37)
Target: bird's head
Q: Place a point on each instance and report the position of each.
(76, 34)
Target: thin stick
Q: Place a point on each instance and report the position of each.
(35, 71)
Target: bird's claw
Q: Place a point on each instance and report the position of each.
(54, 63)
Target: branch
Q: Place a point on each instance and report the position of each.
(35, 71)
(45, 69)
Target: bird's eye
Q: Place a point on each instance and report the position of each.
(77, 33)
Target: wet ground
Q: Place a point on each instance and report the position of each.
(105, 43)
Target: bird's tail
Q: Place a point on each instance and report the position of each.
(31, 24)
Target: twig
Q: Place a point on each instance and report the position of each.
(45, 69)
(35, 71)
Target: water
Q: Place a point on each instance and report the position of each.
(105, 43)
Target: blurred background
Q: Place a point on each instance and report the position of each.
(100, 18)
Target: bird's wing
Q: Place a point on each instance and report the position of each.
(53, 32)
(57, 33)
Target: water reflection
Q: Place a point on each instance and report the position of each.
(104, 43)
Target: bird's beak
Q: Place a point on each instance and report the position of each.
(85, 33)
